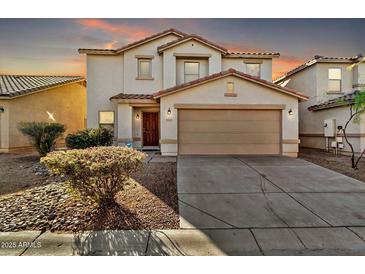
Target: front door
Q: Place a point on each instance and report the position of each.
(150, 129)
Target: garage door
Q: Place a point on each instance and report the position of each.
(229, 131)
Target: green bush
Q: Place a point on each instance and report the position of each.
(43, 135)
(90, 137)
(97, 173)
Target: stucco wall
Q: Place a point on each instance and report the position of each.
(359, 75)
(313, 82)
(189, 47)
(240, 65)
(213, 93)
(104, 79)
(66, 103)
(322, 80)
(131, 84)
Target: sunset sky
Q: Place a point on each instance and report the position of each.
(49, 46)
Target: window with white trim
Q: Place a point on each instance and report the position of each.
(334, 80)
(144, 68)
(106, 119)
(191, 71)
(253, 69)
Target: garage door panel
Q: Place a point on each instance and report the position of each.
(234, 138)
(229, 131)
(231, 115)
(229, 126)
(200, 149)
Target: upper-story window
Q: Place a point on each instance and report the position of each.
(191, 71)
(253, 69)
(144, 68)
(334, 79)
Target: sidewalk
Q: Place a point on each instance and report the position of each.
(273, 241)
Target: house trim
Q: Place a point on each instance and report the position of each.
(229, 106)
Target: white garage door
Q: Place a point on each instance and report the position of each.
(229, 131)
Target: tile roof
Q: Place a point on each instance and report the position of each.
(190, 37)
(318, 59)
(227, 73)
(344, 100)
(132, 45)
(272, 54)
(16, 85)
(132, 96)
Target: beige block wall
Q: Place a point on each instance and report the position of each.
(240, 65)
(213, 93)
(67, 104)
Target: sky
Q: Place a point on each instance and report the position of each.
(49, 46)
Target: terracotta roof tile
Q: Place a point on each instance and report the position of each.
(227, 73)
(344, 100)
(132, 96)
(189, 37)
(16, 85)
(134, 44)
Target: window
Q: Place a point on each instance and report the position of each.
(253, 69)
(230, 87)
(334, 79)
(191, 71)
(106, 119)
(144, 68)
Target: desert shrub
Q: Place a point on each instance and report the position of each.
(97, 173)
(90, 137)
(43, 135)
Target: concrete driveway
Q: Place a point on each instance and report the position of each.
(282, 203)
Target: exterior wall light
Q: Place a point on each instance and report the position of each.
(169, 112)
(137, 116)
(2, 109)
(290, 112)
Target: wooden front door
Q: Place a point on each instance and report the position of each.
(150, 129)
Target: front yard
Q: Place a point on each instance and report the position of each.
(31, 199)
(340, 163)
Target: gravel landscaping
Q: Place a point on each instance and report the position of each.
(340, 163)
(32, 199)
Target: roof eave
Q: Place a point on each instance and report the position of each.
(301, 97)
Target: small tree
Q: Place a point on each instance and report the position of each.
(98, 172)
(356, 112)
(43, 135)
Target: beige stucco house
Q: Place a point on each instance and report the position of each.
(331, 84)
(23, 98)
(183, 94)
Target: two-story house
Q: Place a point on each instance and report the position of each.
(330, 83)
(184, 94)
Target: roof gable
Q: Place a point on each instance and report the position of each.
(134, 44)
(319, 59)
(230, 72)
(189, 38)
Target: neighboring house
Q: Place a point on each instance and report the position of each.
(24, 98)
(330, 83)
(186, 95)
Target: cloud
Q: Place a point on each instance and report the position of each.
(284, 64)
(130, 33)
(110, 45)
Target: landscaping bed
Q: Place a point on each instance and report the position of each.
(32, 199)
(340, 163)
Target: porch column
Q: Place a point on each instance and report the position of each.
(125, 114)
